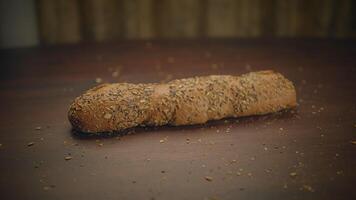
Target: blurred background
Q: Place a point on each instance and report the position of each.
(51, 22)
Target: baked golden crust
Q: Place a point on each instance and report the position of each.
(115, 107)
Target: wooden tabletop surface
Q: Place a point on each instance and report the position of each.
(306, 153)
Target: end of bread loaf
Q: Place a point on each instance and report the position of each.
(265, 92)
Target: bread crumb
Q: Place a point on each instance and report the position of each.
(98, 80)
(339, 172)
(68, 158)
(116, 73)
(48, 187)
(293, 174)
(308, 188)
(38, 128)
(248, 67)
(30, 144)
(353, 142)
(209, 178)
(161, 141)
(214, 66)
(187, 140)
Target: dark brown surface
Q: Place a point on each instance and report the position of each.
(37, 86)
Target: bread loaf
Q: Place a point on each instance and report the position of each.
(115, 107)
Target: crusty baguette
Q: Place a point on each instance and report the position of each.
(115, 107)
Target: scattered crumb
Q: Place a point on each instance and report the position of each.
(48, 187)
(98, 80)
(248, 67)
(238, 173)
(30, 144)
(352, 142)
(281, 129)
(163, 171)
(214, 66)
(249, 174)
(308, 188)
(339, 172)
(161, 141)
(115, 74)
(38, 128)
(100, 144)
(233, 161)
(68, 158)
(187, 141)
(293, 174)
(36, 165)
(209, 178)
(253, 158)
(227, 130)
(265, 148)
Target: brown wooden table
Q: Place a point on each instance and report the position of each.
(306, 153)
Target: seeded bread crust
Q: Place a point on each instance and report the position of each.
(115, 107)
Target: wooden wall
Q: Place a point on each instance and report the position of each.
(71, 21)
